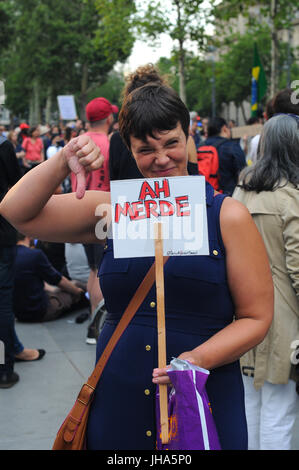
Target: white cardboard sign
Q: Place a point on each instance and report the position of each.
(178, 202)
(67, 107)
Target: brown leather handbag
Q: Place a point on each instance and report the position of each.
(72, 433)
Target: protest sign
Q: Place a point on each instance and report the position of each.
(246, 131)
(177, 202)
(67, 107)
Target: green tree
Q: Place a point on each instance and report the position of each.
(273, 15)
(61, 47)
(184, 21)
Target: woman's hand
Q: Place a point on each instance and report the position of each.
(160, 375)
(82, 155)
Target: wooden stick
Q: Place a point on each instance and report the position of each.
(161, 328)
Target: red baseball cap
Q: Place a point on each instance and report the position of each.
(24, 126)
(99, 108)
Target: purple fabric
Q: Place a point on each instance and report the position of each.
(190, 420)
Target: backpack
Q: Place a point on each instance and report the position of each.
(208, 163)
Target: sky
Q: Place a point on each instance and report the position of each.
(143, 53)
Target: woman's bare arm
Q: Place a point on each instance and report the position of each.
(33, 210)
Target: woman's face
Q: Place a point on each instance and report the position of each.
(14, 137)
(35, 133)
(164, 156)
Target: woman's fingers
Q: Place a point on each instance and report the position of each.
(90, 158)
(160, 376)
(82, 156)
(81, 184)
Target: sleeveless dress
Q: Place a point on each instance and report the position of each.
(197, 305)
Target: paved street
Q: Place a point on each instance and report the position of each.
(33, 410)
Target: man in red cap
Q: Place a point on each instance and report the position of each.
(24, 126)
(99, 113)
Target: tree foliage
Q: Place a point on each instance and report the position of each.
(270, 15)
(62, 47)
(183, 20)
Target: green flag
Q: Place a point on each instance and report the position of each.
(259, 82)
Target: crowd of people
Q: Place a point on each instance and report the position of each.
(235, 312)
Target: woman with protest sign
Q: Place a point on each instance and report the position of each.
(217, 306)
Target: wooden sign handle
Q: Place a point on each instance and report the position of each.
(161, 328)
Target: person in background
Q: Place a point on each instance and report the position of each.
(77, 263)
(3, 131)
(41, 293)
(9, 174)
(231, 156)
(34, 148)
(270, 191)
(245, 141)
(20, 152)
(100, 115)
(45, 135)
(55, 145)
(79, 125)
(204, 129)
(194, 129)
(23, 134)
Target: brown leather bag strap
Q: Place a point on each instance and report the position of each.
(128, 314)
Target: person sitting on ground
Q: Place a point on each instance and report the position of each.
(41, 293)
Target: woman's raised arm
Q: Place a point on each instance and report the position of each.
(33, 210)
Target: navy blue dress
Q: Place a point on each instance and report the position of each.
(197, 305)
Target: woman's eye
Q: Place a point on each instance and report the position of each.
(171, 143)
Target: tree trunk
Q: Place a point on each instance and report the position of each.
(31, 110)
(182, 74)
(182, 84)
(243, 113)
(48, 105)
(83, 95)
(274, 51)
(36, 115)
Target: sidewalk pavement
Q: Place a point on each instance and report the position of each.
(32, 411)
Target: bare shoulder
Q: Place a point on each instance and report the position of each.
(234, 214)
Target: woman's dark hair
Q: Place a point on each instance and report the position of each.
(150, 108)
(68, 134)
(277, 157)
(31, 130)
(141, 76)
